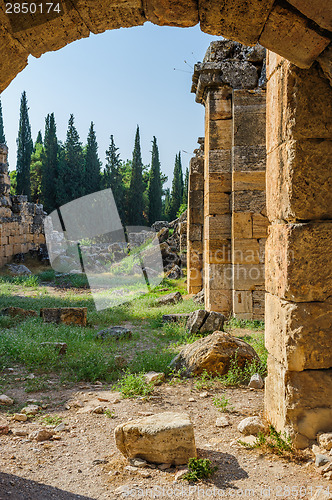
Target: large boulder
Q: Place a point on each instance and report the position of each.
(213, 354)
(195, 320)
(163, 438)
(214, 321)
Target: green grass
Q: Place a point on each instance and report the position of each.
(24, 281)
(134, 384)
(237, 375)
(222, 404)
(245, 323)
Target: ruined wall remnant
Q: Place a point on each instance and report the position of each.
(21, 223)
(298, 396)
(230, 84)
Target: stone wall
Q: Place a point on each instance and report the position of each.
(230, 84)
(21, 223)
(298, 397)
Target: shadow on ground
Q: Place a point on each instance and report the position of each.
(16, 488)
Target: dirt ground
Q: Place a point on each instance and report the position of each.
(83, 462)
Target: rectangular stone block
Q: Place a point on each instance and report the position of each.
(196, 215)
(195, 232)
(283, 29)
(245, 251)
(298, 263)
(218, 161)
(219, 134)
(249, 158)
(219, 276)
(217, 227)
(183, 13)
(217, 203)
(197, 166)
(236, 20)
(196, 201)
(299, 403)
(299, 105)
(260, 225)
(299, 183)
(217, 252)
(196, 182)
(258, 298)
(218, 183)
(249, 201)
(291, 328)
(219, 301)
(314, 9)
(242, 225)
(220, 106)
(248, 276)
(249, 121)
(252, 181)
(242, 302)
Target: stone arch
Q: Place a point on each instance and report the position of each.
(298, 30)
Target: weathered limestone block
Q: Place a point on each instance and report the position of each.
(236, 20)
(249, 158)
(291, 36)
(213, 354)
(299, 403)
(219, 276)
(162, 438)
(67, 315)
(297, 171)
(298, 335)
(252, 181)
(242, 302)
(258, 298)
(11, 50)
(260, 225)
(110, 14)
(305, 98)
(216, 204)
(217, 227)
(183, 13)
(218, 183)
(325, 62)
(219, 134)
(298, 263)
(242, 224)
(220, 105)
(249, 118)
(50, 32)
(218, 160)
(218, 300)
(245, 251)
(217, 252)
(248, 276)
(315, 10)
(249, 201)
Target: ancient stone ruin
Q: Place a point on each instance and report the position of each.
(21, 222)
(227, 203)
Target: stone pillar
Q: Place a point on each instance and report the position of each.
(298, 397)
(217, 194)
(195, 221)
(249, 220)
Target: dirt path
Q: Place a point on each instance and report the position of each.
(84, 463)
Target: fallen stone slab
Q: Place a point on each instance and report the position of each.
(175, 318)
(18, 269)
(66, 315)
(251, 426)
(214, 354)
(174, 273)
(214, 321)
(170, 299)
(196, 320)
(18, 311)
(199, 297)
(60, 347)
(163, 438)
(114, 333)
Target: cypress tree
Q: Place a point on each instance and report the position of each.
(71, 167)
(136, 188)
(2, 129)
(36, 166)
(177, 188)
(49, 164)
(181, 174)
(39, 139)
(167, 205)
(92, 163)
(185, 188)
(154, 186)
(24, 149)
(114, 178)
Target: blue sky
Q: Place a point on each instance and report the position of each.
(117, 79)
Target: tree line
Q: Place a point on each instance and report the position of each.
(53, 173)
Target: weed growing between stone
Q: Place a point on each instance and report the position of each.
(277, 443)
(241, 376)
(199, 468)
